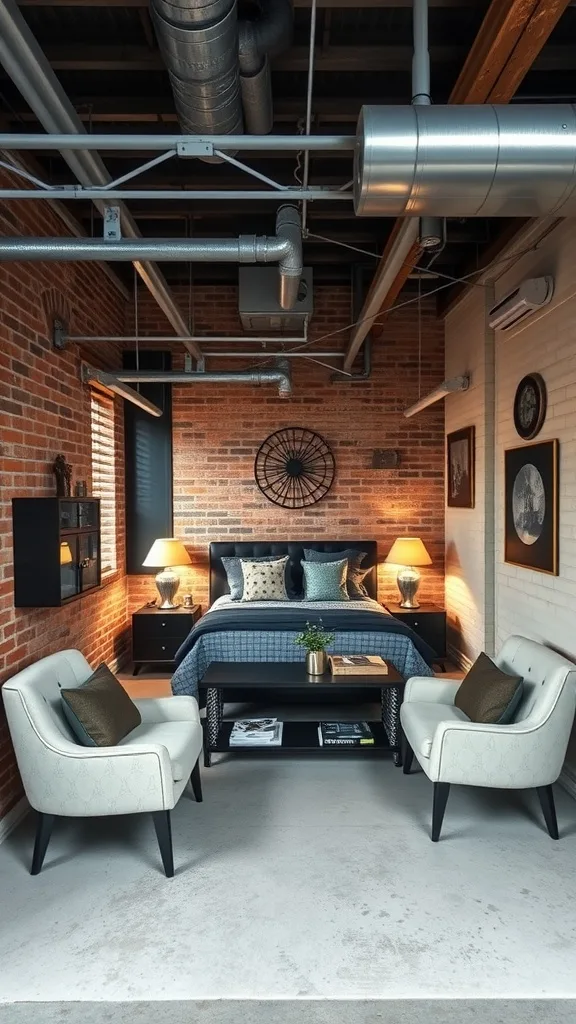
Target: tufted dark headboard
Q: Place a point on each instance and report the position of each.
(295, 549)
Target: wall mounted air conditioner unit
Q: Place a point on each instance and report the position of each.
(258, 301)
(530, 295)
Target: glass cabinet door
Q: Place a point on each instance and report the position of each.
(88, 514)
(88, 560)
(69, 576)
(68, 515)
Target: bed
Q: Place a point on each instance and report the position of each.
(266, 630)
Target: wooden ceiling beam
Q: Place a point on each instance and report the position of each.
(334, 4)
(510, 38)
(333, 58)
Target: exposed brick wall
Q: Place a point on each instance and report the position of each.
(218, 428)
(44, 410)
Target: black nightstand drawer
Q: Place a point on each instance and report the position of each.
(153, 648)
(162, 626)
(428, 622)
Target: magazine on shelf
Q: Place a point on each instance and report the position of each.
(345, 734)
(256, 732)
(357, 665)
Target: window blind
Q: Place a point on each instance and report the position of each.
(104, 474)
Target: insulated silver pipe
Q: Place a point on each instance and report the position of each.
(421, 55)
(285, 249)
(279, 376)
(160, 143)
(466, 161)
(258, 40)
(27, 66)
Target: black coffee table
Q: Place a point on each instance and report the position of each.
(303, 736)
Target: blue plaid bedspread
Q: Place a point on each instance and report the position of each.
(242, 645)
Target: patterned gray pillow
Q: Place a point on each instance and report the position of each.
(233, 569)
(325, 581)
(355, 579)
(264, 581)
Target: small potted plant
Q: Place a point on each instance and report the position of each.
(315, 639)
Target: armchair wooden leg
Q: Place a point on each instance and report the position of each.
(196, 782)
(441, 791)
(546, 797)
(163, 827)
(407, 754)
(43, 833)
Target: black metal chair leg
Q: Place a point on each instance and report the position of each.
(163, 827)
(407, 754)
(43, 833)
(441, 791)
(546, 797)
(196, 781)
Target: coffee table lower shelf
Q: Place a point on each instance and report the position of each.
(303, 737)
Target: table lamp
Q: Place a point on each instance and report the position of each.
(408, 552)
(65, 553)
(167, 551)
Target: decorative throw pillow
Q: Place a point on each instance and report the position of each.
(488, 695)
(100, 712)
(233, 569)
(264, 581)
(355, 579)
(325, 581)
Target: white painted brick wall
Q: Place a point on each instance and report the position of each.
(526, 602)
(469, 532)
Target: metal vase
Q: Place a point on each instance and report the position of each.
(316, 663)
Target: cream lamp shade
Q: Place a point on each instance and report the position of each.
(408, 552)
(167, 551)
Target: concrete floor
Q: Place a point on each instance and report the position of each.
(310, 883)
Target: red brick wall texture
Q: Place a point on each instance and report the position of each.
(44, 410)
(218, 429)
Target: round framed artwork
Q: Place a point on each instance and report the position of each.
(294, 467)
(530, 406)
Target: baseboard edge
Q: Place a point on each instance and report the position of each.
(11, 820)
(459, 658)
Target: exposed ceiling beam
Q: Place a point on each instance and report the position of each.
(510, 38)
(333, 58)
(335, 4)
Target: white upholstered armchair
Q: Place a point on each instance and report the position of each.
(527, 754)
(147, 771)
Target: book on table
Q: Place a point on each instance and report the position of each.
(345, 734)
(357, 665)
(256, 732)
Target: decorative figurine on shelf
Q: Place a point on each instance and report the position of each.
(63, 472)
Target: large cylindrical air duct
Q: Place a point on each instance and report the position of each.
(258, 40)
(466, 161)
(199, 42)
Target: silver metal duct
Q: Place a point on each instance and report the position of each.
(27, 66)
(285, 248)
(280, 376)
(466, 161)
(258, 40)
(199, 43)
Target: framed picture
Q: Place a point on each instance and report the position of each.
(531, 495)
(460, 468)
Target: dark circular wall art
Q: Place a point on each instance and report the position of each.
(530, 406)
(294, 467)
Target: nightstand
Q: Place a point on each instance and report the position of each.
(428, 621)
(158, 633)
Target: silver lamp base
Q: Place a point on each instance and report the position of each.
(408, 581)
(167, 583)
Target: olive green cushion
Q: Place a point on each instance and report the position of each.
(487, 694)
(100, 712)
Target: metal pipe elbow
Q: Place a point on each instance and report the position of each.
(289, 232)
